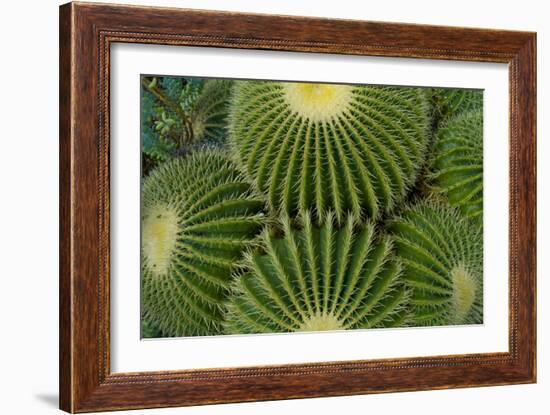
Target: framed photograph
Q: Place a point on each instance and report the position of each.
(258, 207)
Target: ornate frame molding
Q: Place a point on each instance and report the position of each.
(86, 33)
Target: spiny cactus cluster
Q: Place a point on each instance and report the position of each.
(283, 207)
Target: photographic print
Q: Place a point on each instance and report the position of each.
(261, 207)
(278, 207)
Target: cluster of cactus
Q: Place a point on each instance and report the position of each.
(282, 207)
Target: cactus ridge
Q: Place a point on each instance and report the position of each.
(442, 255)
(457, 166)
(451, 102)
(316, 278)
(210, 112)
(320, 147)
(198, 215)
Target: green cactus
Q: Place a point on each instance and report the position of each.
(209, 116)
(149, 331)
(198, 215)
(317, 278)
(442, 255)
(457, 166)
(320, 147)
(449, 102)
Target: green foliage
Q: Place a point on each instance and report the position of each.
(320, 147)
(457, 167)
(316, 278)
(190, 93)
(174, 86)
(180, 114)
(442, 254)
(198, 215)
(154, 144)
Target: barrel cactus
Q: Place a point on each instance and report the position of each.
(317, 278)
(457, 167)
(449, 102)
(198, 215)
(324, 147)
(442, 255)
(210, 111)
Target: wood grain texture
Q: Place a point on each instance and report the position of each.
(86, 33)
(65, 247)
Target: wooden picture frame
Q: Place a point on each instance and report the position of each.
(87, 32)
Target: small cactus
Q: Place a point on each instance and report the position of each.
(442, 255)
(449, 102)
(210, 111)
(317, 278)
(323, 147)
(198, 215)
